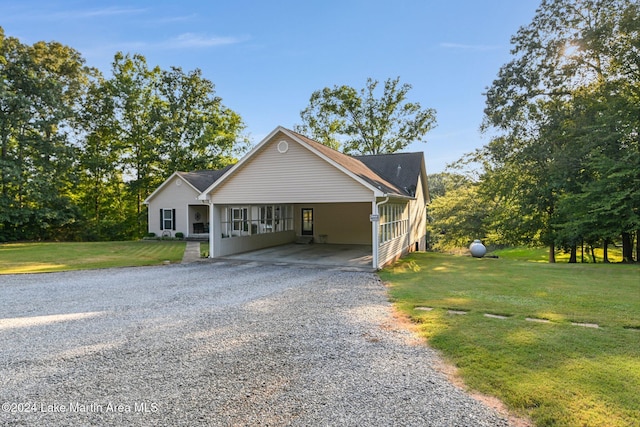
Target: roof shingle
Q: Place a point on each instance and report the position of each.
(203, 179)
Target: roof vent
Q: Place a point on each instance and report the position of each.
(398, 171)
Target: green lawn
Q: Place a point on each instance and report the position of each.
(49, 257)
(555, 373)
(542, 254)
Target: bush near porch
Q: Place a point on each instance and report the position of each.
(555, 373)
(62, 256)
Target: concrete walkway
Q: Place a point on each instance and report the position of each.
(191, 253)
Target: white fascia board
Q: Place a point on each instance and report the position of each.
(398, 196)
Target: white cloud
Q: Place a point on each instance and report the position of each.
(110, 11)
(91, 13)
(45, 15)
(183, 41)
(475, 47)
(193, 40)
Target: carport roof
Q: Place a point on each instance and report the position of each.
(396, 174)
(392, 174)
(353, 165)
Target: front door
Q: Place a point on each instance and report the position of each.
(307, 222)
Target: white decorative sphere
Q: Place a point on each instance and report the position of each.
(477, 249)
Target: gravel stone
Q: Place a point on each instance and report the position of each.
(217, 343)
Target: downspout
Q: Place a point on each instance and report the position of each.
(375, 229)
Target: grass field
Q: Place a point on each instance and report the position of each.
(50, 257)
(542, 254)
(555, 373)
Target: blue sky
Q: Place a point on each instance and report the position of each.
(267, 57)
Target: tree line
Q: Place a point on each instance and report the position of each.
(79, 152)
(562, 167)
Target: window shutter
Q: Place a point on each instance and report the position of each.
(161, 220)
(173, 219)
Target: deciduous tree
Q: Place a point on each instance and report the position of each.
(40, 86)
(572, 50)
(358, 122)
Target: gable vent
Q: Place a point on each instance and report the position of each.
(283, 147)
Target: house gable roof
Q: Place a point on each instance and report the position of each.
(373, 173)
(402, 169)
(198, 180)
(355, 166)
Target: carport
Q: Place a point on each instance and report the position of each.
(331, 255)
(290, 188)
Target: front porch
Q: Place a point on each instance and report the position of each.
(198, 222)
(197, 237)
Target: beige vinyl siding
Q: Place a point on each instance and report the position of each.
(392, 250)
(418, 219)
(296, 176)
(338, 223)
(236, 245)
(172, 196)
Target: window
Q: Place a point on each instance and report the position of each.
(239, 220)
(251, 220)
(167, 219)
(393, 222)
(266, 218)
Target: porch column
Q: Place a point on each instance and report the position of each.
(375, 220)
(212, 227)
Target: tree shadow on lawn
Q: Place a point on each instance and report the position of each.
(553, 373)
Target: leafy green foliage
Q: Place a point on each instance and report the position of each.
(361, 123)
(566, 154)
(79, 153)
(456, 212)
(39, 89)
(196, 130)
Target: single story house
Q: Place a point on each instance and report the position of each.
(288, 187)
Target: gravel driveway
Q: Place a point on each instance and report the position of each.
(216, 343)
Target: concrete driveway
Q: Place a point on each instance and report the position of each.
(356, 257)
(219, 343)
